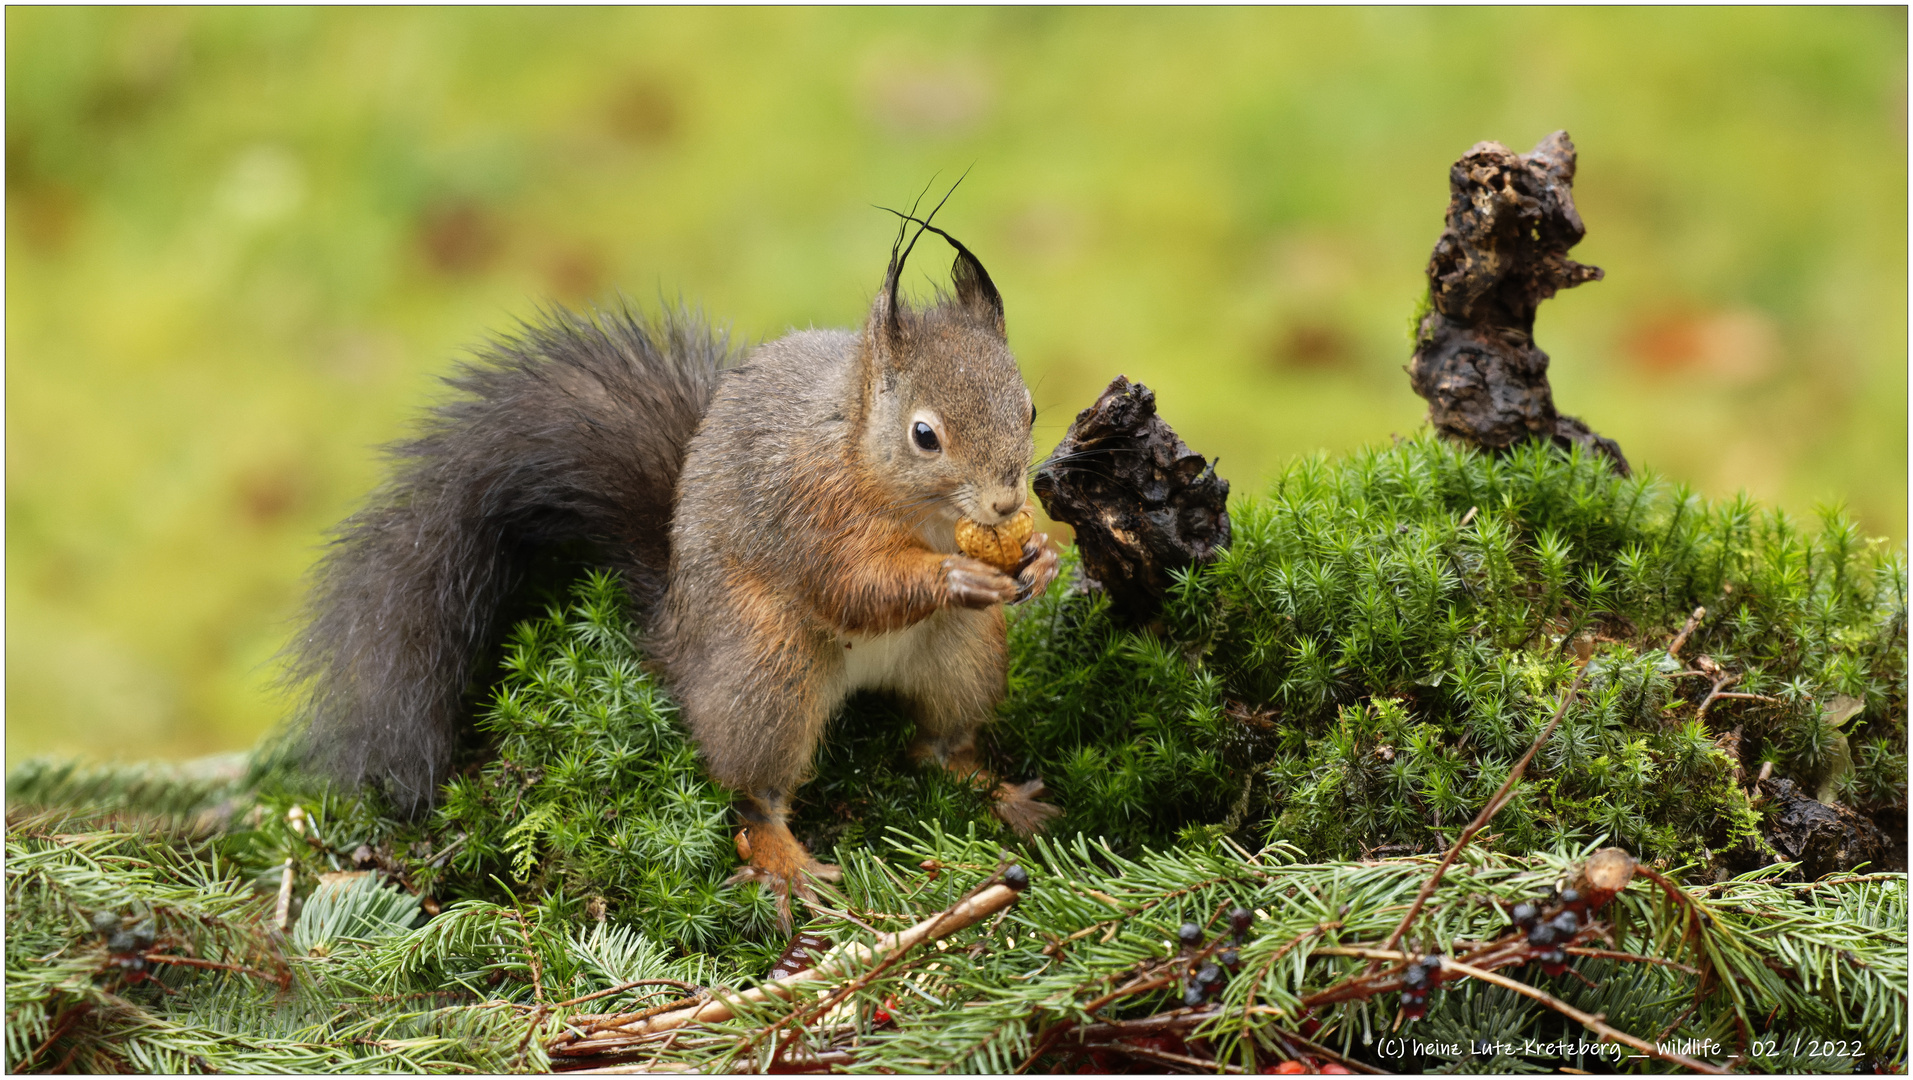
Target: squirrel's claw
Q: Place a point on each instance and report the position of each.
(1017, 807)
(972, 583)
(1040, 564)
(780, 866)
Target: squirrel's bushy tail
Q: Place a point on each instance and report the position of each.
(573, 429)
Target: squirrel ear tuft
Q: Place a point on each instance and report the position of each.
(976, 293)
(881, 326)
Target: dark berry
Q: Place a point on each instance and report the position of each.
(1414, 1004)
(121, 942)
(1229, 959)
(1432, 965)
(1240, 919)
(1566, 924)
(1210, 973)
(143, 935)
(1416, 977)
(1571, 897)
(1016, 878)
(1190, 934)
(1524, 915)
(1542, 935)
(1192, 996)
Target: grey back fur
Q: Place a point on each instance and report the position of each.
(575, 427)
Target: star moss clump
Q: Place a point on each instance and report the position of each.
(1388, 633)
(1356, 675)
(1352, 679)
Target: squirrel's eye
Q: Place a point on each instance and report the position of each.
(926, 439)
(1032, 416)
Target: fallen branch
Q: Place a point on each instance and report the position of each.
(723, 1006)
(1674, 647)
(283, 981)
(1591, 1022)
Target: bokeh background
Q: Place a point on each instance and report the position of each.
(242, 244)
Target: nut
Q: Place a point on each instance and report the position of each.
(999, 545)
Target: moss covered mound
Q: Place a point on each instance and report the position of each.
(1352, 680)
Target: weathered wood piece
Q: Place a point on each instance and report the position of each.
(1511, 221)
(1142, 503)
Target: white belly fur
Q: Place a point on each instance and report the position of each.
(874, 661)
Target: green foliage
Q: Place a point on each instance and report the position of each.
(1094, 920)
(1361, 668)
(593, 792)
(1354, 678)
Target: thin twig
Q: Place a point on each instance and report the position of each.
(537, 991)
(845, 916)
(283, 981)
(1322, 1051)
(1173, 1059)
(1725, 680)
(1674, 648)
(931, 929)
(68, 1018)
(1487, 814)
(684, 986)
(966, 912)
(1591, 1022)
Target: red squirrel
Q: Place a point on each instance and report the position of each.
(783, 520)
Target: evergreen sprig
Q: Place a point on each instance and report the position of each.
(1345, 688)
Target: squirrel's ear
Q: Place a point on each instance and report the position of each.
(976, 293)
(881, 327)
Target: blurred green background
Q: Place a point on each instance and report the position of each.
(242, 244)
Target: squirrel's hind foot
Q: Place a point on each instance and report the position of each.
(1016, 806)
(780, 865)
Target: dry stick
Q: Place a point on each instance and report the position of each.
(68, 1018)
(1173, 1059)
(537, 989)
(932, 928)
(282, 912)
(1487, 814)
(1588, 1020)
(974, 909)
(1674, 648)
(1322, 1051)
(684, 986)
(283, 981)
(1726, 680)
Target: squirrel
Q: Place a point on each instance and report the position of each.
(783, 520)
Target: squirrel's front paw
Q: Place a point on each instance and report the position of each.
(780, 866)
(1040, 563)
(971, 583)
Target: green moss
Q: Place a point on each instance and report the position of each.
(1361, 668)
(1383, 640)
(1354, 677)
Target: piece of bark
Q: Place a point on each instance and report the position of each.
(1511, 221)
(1822, 839)
(1143, 504)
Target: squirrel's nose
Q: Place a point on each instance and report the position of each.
(1007, 505)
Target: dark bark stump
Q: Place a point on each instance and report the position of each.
(1142, 503)
(1511, 221)
(1822, 839)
